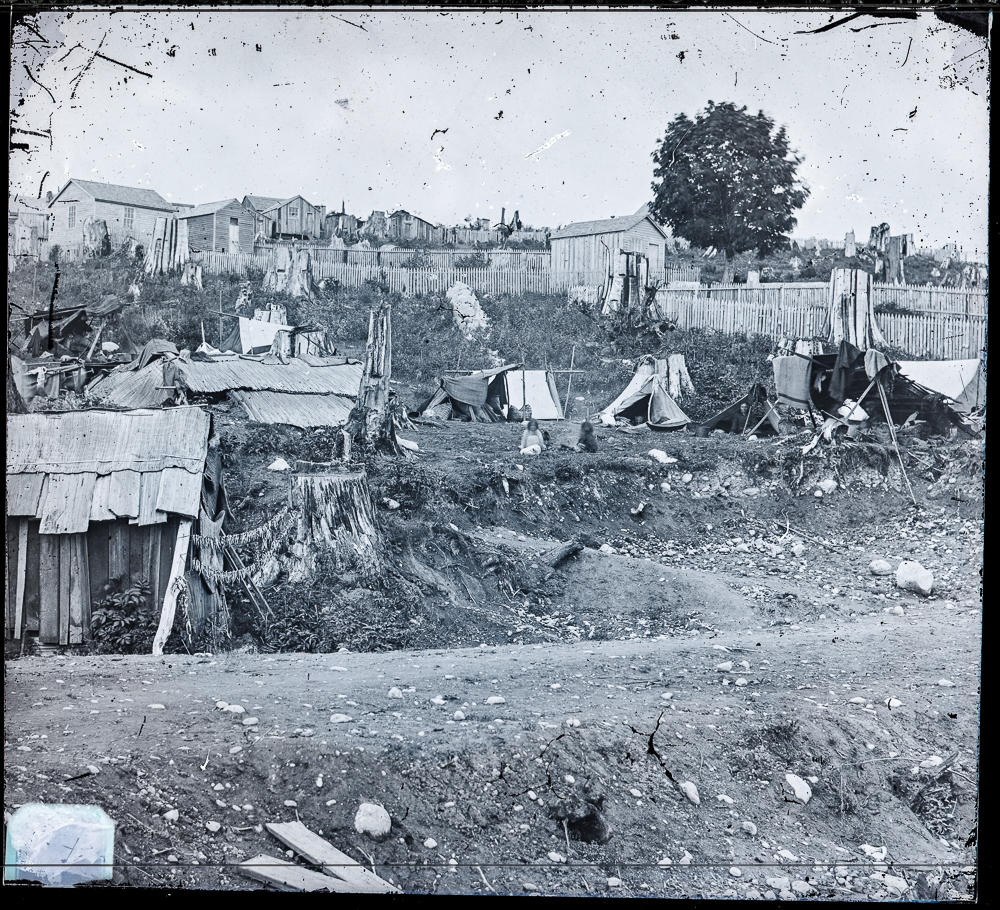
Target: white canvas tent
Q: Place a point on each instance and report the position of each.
(537, 388)
(646, 396)
(503, 387)
(963, 381)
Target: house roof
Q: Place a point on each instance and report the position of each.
(405, 212)
(295, 409)
(606, 226)
(306, 375)
(207, 208)
(261, 203)
(69, 469)
(123, 195)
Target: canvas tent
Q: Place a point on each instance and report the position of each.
(646, 398)
(961, 381)
(104, 498)
(305, 391)
(751, 414)
(490, 395)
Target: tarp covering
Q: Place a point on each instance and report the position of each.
(646, 395)
(960, 380)
(467, 389)
(535, 388)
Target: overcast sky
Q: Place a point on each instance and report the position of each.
(892, 120)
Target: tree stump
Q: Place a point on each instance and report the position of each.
(335, 516)
(370, 425)
(679, 382)
(290, 272)
(191, 272)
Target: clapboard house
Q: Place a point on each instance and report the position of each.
(98, 501)
(129, 212)
(403, 225)
(587, 248)
(287, 219)
(222, 227)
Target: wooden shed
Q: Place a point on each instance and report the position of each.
(223, 227)
(403, 225)
(287, 219)
(99, 500)
(587, 248)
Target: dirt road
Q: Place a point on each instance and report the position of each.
(593, 732)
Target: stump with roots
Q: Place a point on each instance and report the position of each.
(679, 383)
(290, 272)
(370, 426)
(191, 271)
(335, 517)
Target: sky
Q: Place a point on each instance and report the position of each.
(553, 113)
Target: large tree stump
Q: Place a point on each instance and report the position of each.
(370, 425)
(679, 382)
(191, 271)
(335, 517)
(290, 272)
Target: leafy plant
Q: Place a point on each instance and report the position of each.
(124, 622)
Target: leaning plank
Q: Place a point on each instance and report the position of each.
(48, 589)
(286, 875)
(22, 570)
(174, 583)
(300, 839)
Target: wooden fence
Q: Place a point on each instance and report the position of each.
(802, 311)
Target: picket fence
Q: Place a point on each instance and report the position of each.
(802, 311)
(490, 280)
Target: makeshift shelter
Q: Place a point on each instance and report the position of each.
(963, 382)
(304, 391)
(863, 377)
(752, 414)
(99, 499)
(646, 398)
(69, 326)
(496, 394)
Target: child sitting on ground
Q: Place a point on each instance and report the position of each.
(587, 441)
(532, 441)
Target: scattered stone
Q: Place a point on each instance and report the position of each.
(661, 456)
(896, 610)
(741, 681)
(725, 667)
(896, 884)
(797, 789)
(932, 762)
(156, 707)
(911, 576)
(496, 700)
(171, 815)
(572, 722)
(798, 548)
(690, 791)
(893, 703)
(722, 798)
(430, 843)
(340, 718)
(779, 883)
(391, 504)
(685, 860)
(372, 820)
(665, 862)
(614, 882)
(213, 826)
(828, 484)
(880, 567)
(290, 803)
(749, 827)
(459, 715)
(607, 550)
(395, 692)
(858, 700)
(250, 721)
(235, 709)
(556, 857)
(437, 700)
(279, 464)
(734, 871)
(800, 887)
(947, 683)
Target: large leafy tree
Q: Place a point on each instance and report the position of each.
(727, 179)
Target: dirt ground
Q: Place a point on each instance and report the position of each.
(724, 630)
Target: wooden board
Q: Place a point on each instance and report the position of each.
(98, 547)
(67, 502)
(123, 494)
(118, 556)
(137, 538)
(31, 599)
(288, 876)
(65, 569)
(79, 587)
(152, 560)
(48, 589)
(10, 576)
(22, 571)
(23, 493)
(149, 491)
(179, 492)
(304, 842)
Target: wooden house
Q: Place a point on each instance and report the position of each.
(287, 219)
(28, 225)
(100, 500)
(590, 247)
(129, 212)
(224, 227)
(403, 225)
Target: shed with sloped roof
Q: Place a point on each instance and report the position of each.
(222, 227)
(96, 502)
(589, 248)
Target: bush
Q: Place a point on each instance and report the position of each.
(476, 260)
(124, 622)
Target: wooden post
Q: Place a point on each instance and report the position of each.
(175, 583)
(22, 569)
(569, 382)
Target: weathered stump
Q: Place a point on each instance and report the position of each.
(335, 517)
(290, 272)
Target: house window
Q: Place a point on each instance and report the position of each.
(292, 212)
(129, 218)
(71, 217)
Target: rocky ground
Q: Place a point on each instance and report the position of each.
(717, 696)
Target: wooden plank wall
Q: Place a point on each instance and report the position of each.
(64, 575)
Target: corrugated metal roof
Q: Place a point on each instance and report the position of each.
(83, 466)
(124, 195)
(295, 410)
(605, 226)
(207, 208)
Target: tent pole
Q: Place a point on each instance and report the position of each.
(895, 443)
(569, 383)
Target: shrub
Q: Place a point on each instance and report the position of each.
(124, 622)
(476, 260)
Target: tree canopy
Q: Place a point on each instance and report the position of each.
(727, 179)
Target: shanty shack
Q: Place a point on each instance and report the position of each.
(587, 247)
(287, 219)
(130, 212)
(302, 391)
(224, 227)
(403, 225)
(98, 501)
